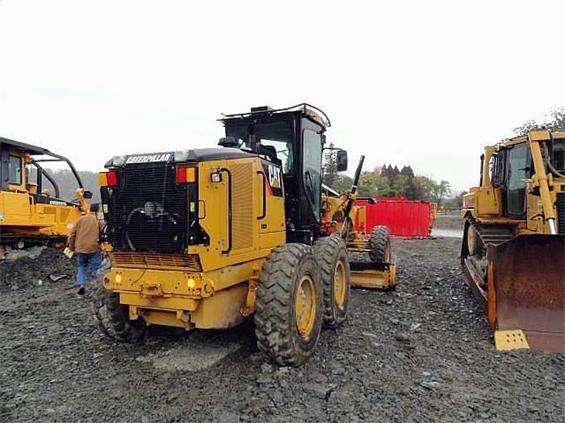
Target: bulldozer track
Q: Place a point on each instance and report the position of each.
(474, 266)
(494, 234)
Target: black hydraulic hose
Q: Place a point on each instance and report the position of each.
(357, 175)
(547, 161)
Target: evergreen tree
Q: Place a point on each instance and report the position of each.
(410, 190)
(329, 168)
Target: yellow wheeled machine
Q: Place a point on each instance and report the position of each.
(203, 238)
(513, 250)
(31, 210)
(370, 254)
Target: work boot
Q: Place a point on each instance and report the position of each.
(81, 291)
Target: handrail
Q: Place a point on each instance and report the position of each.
(230, 224)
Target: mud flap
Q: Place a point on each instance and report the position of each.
(526, 292)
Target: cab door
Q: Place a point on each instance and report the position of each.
(311, 173)
(16, 208)
(517, 170)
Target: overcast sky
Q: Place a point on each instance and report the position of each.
(425, 83)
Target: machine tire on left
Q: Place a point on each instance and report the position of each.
(331, 253)
(124, 329)
(288, 308)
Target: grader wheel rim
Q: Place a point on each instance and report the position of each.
(305, 306)
(339, 284)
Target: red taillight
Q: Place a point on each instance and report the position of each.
(181, 175)
(186, 175)
(112, 178)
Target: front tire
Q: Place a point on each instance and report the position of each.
(126, 330)
(288, 308)
(335, 274)
(379, 246)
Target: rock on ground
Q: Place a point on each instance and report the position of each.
(423, 352)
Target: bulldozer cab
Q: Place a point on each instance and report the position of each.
(293, 140)
(21, 170)
(33, 208)
(511, 167)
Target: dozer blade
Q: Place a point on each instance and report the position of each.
(368, 277)
(526, 292)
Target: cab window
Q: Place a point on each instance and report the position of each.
(516, 171)
(312, 156)
(15, 170)
(558, 155)
(276, 135)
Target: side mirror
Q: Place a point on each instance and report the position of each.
(341, 160)
(95, 208)
(87, 195)
(228, 142)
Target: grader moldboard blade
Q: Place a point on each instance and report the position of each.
(367, 276)
(526, 292)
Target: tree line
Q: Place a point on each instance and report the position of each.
(386, 181)
(382, 181)
(68, 184)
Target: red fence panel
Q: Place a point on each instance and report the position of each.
(402, 217)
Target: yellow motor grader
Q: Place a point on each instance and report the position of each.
(513, 250)
(202, 238)
(31, 208)
(370, 255)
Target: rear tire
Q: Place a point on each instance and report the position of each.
(379, 245)
(288, 308)
(131, 331)
(331, 254)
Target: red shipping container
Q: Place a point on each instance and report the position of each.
(404, 218)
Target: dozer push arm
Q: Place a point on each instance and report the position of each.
(534, 140)
(485, 177)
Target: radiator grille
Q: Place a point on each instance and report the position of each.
(149, 210)
(561, 213)
(242, 206)
(155, 261)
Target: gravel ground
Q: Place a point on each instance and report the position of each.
(421, 353)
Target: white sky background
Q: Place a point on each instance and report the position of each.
(425, 83)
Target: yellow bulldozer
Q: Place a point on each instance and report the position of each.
(202, 238)
(513, 250)
(31, 208)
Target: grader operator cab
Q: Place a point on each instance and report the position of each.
(513, 251)
(31, 208)
(202, 238)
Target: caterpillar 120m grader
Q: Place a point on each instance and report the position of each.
(31, 208)
(513, 250)
(203, 238)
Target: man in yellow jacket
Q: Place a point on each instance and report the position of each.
(84, 241)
